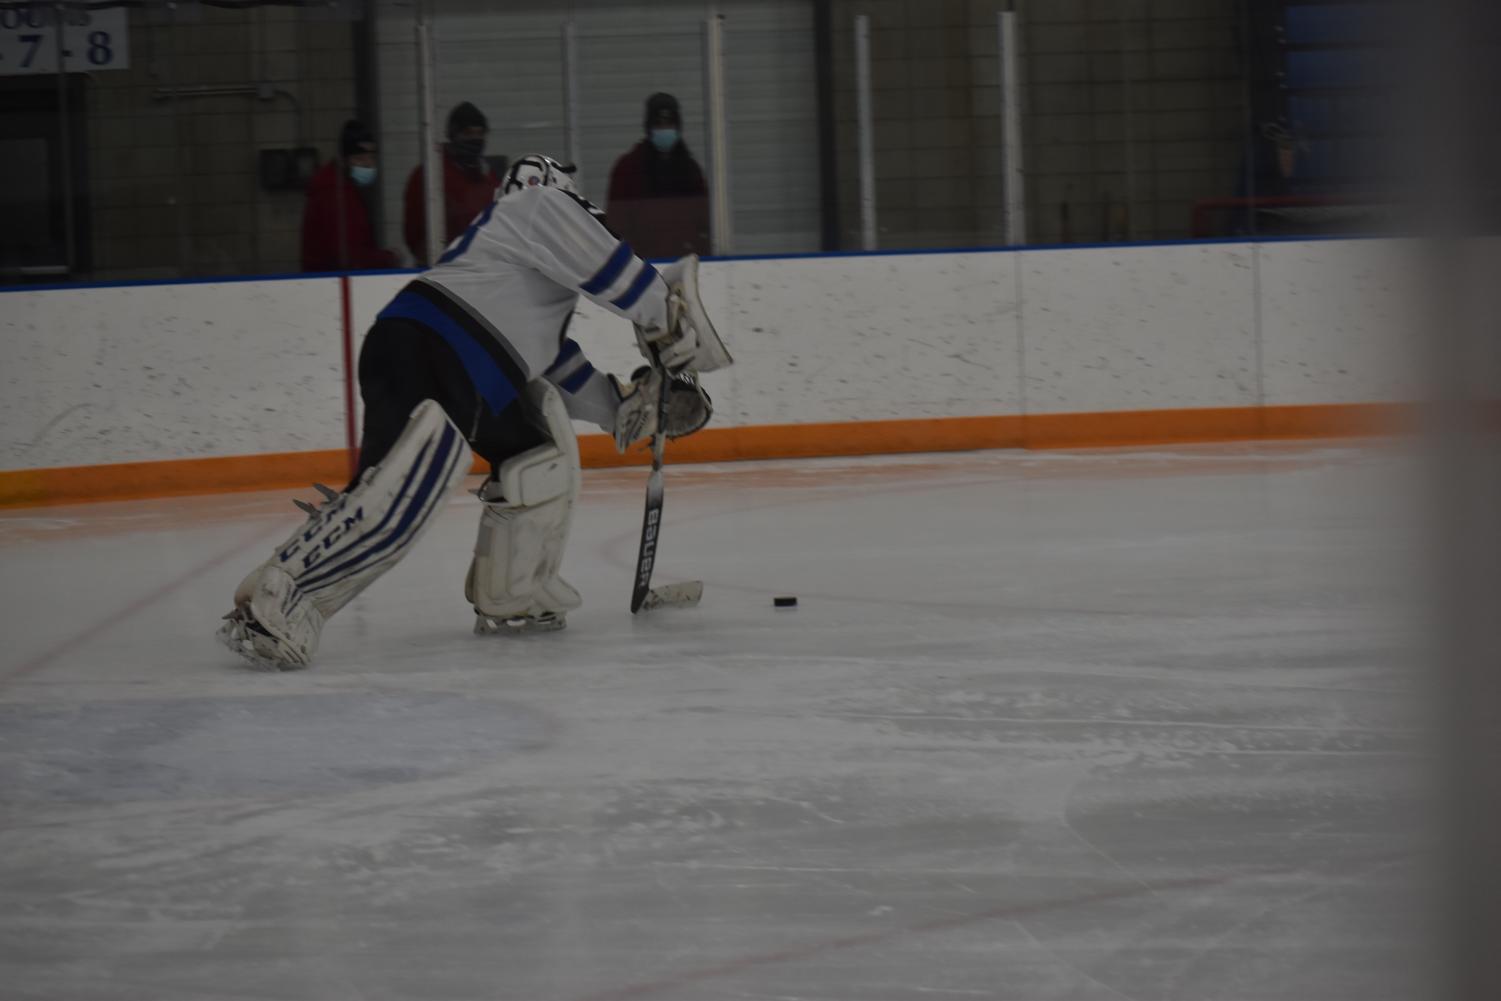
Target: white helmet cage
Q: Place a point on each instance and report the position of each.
(536, 169)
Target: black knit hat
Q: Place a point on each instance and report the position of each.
(662, 109)
(465, 116)
(355, 138)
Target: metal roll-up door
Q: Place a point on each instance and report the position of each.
(510, 64)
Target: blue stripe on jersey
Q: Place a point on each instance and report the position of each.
(569, 350)
(491, 381)
(468, 237)
(605, 276)
(576, 381)
(638, 288)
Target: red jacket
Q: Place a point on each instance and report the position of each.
(328, 189)
(642, 172)
(658, 203)
(466, 192)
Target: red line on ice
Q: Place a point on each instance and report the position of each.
(47, 657)
(796, 953)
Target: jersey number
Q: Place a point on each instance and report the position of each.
(460, 245)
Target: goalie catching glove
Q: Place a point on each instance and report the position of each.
(688, 406)
(689, 343)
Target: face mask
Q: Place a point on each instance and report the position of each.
(467, 149)
(363, 176)
(664, 139)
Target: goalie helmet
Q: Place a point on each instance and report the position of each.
(536, 169)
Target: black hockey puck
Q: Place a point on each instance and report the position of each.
(785, 601)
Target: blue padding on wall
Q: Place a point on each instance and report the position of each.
(1336, 23)
(1333, 68)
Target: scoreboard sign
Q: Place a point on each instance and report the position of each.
(93, 40)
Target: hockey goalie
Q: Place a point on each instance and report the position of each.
(474, 355)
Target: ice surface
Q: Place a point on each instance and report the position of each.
(1092, 725)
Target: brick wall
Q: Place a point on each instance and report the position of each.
(173, 185)
(1131, 110)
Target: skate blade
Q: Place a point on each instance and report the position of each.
(235, 635)
(684, 595)
(524, 625)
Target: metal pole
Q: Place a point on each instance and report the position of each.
(1130, 130)
(571, 145)
(341, 227)
(65, 144)
(719, 159)
(1249, 96)
(828, 132)
(432, 177)
(1013, 176)
(865, 130)
(178, 198)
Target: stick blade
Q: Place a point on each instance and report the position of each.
(684, 595)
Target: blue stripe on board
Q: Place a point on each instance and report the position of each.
(793, 256)
(1046, 247)
(606, 276)
(638, 288)
(216, 280)
(489, 378)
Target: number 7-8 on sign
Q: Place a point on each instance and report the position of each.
(93, 40)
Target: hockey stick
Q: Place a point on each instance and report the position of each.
(643, 595)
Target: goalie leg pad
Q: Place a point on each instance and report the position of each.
(274, 625)
(513, 579)
(346, 544)
(360, 535)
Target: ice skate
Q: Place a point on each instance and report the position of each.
(518, 625)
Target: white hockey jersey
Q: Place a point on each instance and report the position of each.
(518, 271)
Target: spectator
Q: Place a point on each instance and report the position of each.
(337, 234)
(469, 181)
(658, 200)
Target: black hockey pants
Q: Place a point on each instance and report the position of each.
(403, 363)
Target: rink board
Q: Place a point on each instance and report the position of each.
(155, 389)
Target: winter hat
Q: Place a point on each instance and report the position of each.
(465, 116)
(355, 138)
(662, 109)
